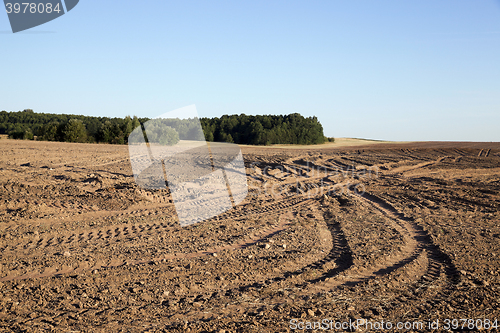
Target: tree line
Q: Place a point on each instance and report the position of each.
(242, 129)
(67, 128)
(264, 130)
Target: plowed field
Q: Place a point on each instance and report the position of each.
(393, 232)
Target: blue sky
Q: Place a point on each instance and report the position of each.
(394, 70)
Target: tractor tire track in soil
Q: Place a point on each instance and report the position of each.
(439, 262)
(130, 232)
(111, 256)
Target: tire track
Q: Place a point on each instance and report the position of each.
(408, 253)
(138, 231)
(338, 263)
(131, 232)
(439, 264)
(420, 256)
(82, 266)
(408, 153)
(406, 168)
(338, 259)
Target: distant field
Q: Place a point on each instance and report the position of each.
(339, 142)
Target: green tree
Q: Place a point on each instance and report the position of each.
(129, 125)
(157, 132)
(168, 136)
(28, 135)
(257, 133)
(74, 131)
(49, 132)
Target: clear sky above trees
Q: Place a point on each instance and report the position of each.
(397, 70)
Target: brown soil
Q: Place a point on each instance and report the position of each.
(393, 232)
